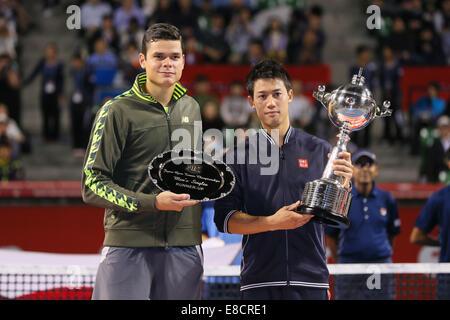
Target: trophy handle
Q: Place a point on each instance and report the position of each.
(322, 96)
(383, 111)
(341, 146)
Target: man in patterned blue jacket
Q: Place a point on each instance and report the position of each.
(283, 253)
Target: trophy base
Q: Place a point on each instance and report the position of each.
(324, 217)
(329, 203)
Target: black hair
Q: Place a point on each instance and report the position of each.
(160, 31)
(267, 69)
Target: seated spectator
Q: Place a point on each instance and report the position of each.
(235, 109)
(206, 12)
(92, 13)
(102, 60)
(301, 108)
(10, 86)
(130, 62)
(133, 33)
(275, 40)
(315, 26)
(401, 41)
(424, 113)
(186, 15)
(389, 74)
(129, 9)
(436, 154)
(211, 117)
(215, 46)
(364, 60)
(164, 12)
(8, 38)
(255, 52)
(108, 33)
(193, 54)
(9, 129)
(308, 53)
(203, 92)
(444, 175)
(296, 27)
(430, 51)
(10, 169)
(239, 34)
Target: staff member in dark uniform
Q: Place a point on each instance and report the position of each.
(283, 253)
(374, 223)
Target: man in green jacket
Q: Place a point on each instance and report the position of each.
(152, 238)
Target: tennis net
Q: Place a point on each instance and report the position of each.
(402, 281)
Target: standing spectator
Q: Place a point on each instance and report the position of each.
(301, 108)
(389, 75)
(234, 109)
(436, 154)
(436, 212)
(10, 169)
(80, 105)
(424, 113)
(10, 86)
(275, 40)
(374, 222)
(364, 60)
(52, 72)
(128, 10)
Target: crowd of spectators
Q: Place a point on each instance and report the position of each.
(413, 32)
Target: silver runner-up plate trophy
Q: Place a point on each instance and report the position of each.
(350, 107)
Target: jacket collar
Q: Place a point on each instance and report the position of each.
(139, 82)
(271, 140)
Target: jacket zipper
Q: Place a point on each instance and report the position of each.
(282, 158)
(167, 114)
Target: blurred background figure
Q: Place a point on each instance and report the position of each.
(10, 86)
(234, 109)
(433, 158)
(390, 73)
(80, 105)
(364, 60)
(301, 109)
(424, 113)
(10, 169)
(51, 70)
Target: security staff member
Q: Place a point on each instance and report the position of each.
(374, 223)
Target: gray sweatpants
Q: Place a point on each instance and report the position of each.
(156, 273)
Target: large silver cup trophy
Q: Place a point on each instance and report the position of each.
(350, 107)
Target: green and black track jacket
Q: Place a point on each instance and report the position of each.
(128, 132)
